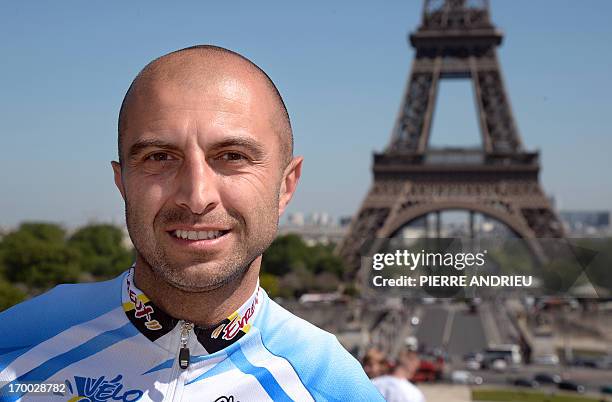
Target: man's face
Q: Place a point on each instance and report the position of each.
(202, 179)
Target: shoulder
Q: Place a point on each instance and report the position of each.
(327, 370)
(398, 390)
(42, 317)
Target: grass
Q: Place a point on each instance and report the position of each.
(508, 395)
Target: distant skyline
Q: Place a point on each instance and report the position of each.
(341, 67)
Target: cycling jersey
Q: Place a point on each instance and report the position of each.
(107, 341)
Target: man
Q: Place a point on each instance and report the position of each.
(395, 387)
(374, 363)
(205, 169)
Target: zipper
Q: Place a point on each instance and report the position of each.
(183, 356)
(182, 361)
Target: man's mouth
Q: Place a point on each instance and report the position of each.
(198, 234)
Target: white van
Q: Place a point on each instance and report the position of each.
(511, 354)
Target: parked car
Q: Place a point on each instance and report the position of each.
(473, 356)
(525, 382)
(472, 364)
(572, 386)
(499, 365)
(585, 362)
(465, 378)
(430, 368)
(545, 378)
(546, 360)
(606, 389)
(509, 352)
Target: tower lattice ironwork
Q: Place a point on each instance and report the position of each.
(456, 39)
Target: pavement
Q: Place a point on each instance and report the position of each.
(446, 393)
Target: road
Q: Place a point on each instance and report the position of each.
(452, 328)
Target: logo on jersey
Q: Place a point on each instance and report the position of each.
(226, 399)
(143, 310)
(88, 389)
(229, 330)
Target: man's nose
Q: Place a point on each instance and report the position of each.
(197, 189)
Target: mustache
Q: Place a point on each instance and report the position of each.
(181, 216)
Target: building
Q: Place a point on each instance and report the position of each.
(586, 222)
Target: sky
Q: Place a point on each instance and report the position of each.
(341, 67)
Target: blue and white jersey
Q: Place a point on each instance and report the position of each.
(107, 341)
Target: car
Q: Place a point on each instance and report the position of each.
(606, 389)
(499, 365)
(465, 378)
(584, 362)
(428, 300)
(472, 364)
(430, 368)
(525, 382)
(473, 305)
(571, 386)
(473, 356)
(511, 353)
(546, 360)
(545, 378)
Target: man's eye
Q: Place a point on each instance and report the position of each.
(232, 156)
(160, 157)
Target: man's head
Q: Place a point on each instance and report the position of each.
(205, 150)
(374, 363)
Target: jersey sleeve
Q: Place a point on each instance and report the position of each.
(32, 322)
(326, 369)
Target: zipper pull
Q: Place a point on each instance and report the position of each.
(184, 351)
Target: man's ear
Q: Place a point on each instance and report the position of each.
(291, 176)
(118, 181)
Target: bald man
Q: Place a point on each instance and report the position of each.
(205, 169)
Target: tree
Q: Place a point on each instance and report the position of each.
(301, 268)
(284, 254)
(36, 254)
(101, 250)
(9, 295)
(270, 283)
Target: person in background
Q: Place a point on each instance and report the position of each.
(395, 386)
(374, 363)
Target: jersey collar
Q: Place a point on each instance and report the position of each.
(154, 323)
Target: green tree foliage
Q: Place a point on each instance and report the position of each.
(100, 250)
(300, 268)
(36, 255)
(9, 295)
(270, 283)
(39, 256)
(284, 254)
(289, 252)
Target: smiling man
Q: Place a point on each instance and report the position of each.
(205, 168)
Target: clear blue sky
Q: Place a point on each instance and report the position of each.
(341, 66)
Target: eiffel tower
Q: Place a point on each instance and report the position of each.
(456, 39)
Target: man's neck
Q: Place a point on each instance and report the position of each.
(202, 308)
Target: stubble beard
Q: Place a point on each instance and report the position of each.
(202, 272)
